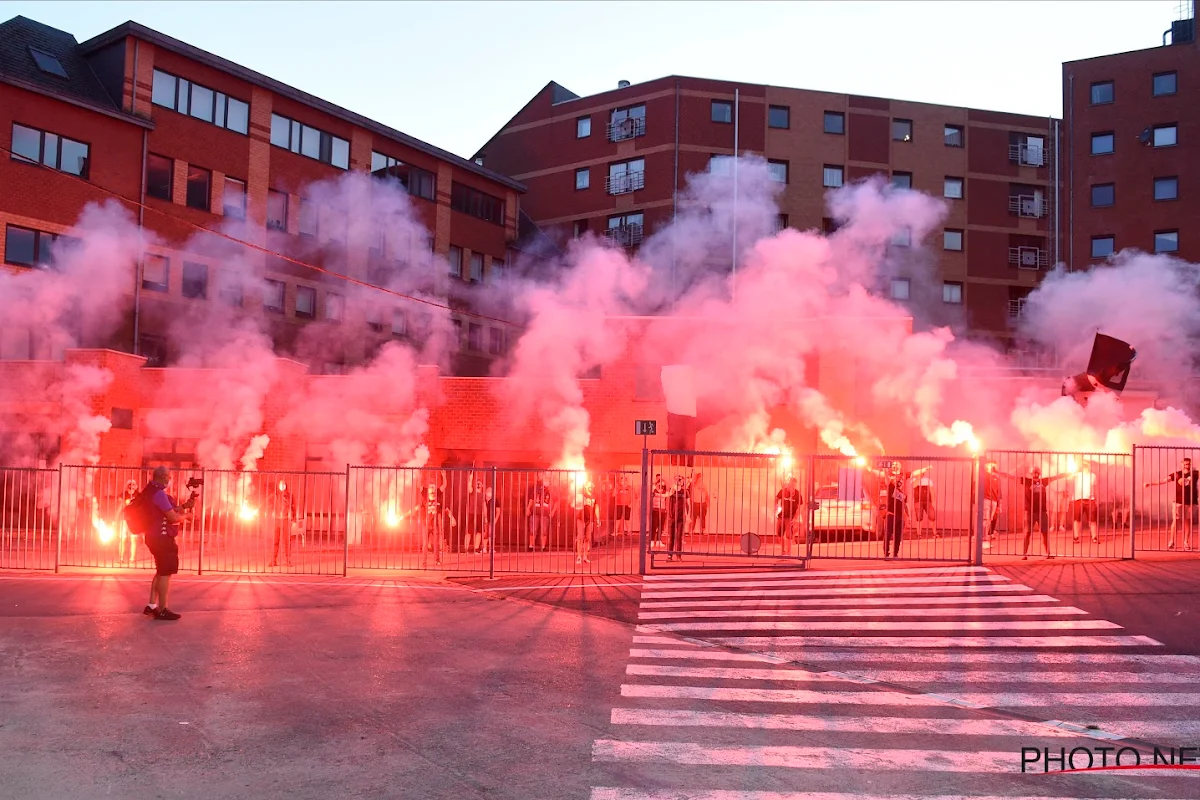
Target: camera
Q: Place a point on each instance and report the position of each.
(195, 483)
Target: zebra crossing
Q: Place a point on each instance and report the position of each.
(898, 683)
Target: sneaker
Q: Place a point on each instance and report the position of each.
(587, 561)
(149, 612)
(578, 560)
(166, 613)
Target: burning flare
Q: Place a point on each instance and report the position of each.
(104, 531)
(247, 513)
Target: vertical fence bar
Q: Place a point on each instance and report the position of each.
(810, 512)
(1133, 502)
(493, 516)
(203, 527)
(977, 496)
(345, 525)
(643, 512)
(59, 523)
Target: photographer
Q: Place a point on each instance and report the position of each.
(160, 540)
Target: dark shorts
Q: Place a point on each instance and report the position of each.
(1083, 510)
(165, 550)
(622, 512)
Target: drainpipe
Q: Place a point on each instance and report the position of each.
(1056, 131)
(1070, 173)
(137, 278)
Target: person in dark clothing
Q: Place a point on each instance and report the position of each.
(893, 507)
(1184, 506)
(160, 541)
(283, 513)
(586, 517)
(433, 515)
(658, 510)
(992, 496)
(677, 507)
(1037, 505)
(788, 505)
(539, 510)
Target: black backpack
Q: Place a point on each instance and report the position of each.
(140, 515)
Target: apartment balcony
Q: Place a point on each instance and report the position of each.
(1028, 155)
(625, 182)
(628, 128)
(1029, 206)
(1034, 258)
(624, 235)
(1016, 311)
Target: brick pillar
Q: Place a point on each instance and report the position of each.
(259, 171)
(441, 225)
(120, 445)
(179, 185)
(287, 449)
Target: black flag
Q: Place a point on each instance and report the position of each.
(1108, 369)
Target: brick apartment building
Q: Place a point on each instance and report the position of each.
(613, 164)
(194, 139)
(1131, 119)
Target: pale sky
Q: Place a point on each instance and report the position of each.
(452, 73)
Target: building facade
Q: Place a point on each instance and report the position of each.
(184, 140)
(1131, 121)
(614, 163)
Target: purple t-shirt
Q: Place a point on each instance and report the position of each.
(163, 504)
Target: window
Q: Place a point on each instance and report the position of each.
(579, 228)
(277, 210)
(952, 292)
(900, 288)
(1164, 83)
(230, 292)
(583, 127)
(952, 240)
(627, 176)
(57, 152)
(496, 341)
(496, 273)
(832, 177)
(335, 307)
(781, 222)
(902, 238)
(475, 337)
(26, 247)
(200, 102)
(47, 63)
(902, 180)
(399, 323)
(476, 203)
(627, 123)
(273, 295)
(953, 188)
(722, 111)
(583, 179)
(625, 229)
(830, 226)
(156, 273)
(1102, 143)
(416, 181)
(375, 319)
(477, 267)
(235, 198)
(1166, 188)
(195, 281)
(307, 218)
(835, 122)
(721, 165)
(309, 141)
(306, 302)
(1102, 93)
(902, 130)
(953, 135)
(199, 183)
(1103, 194)
(160, 177)
(456, 266)
(1166, 241)
(1164, 135)
(1102, 246)
(778, 170)
(779, 117)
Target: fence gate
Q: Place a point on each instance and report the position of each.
(1164, 508)
(28, 516)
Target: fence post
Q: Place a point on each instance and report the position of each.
(643, 515)
(58, 527)
(1133, 494)
(811, 512)
(977, 491)
(491, 529)
(203, 532)
(346, 526)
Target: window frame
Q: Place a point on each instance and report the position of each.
(840, 117)
(1174, 182)
(1168, 232)
(170, 196)
(275, 285)
(1098, 135)
(1106, 237)
(241, 211)
(218, 103)
(311, 293)
(946, 285)
(826, 169)
(1174, 74)
(911, 130)
(586, 174)
(949, 132)
(896, 282)
(776, 162)
(208, 176)
(154, 286)
(43, 247)
(949, 180)
(901, 174)
(454, 256)
(1112, 93)
(580, 124)
(962, 239)
(727, 108)
(476, 203)
(476, 259)
(59, 141)
(1166, 126)
(299, 136)
(185, 280)
(1112, 189)
(787, 117)
(283, 227)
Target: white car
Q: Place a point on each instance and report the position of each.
(839, 510)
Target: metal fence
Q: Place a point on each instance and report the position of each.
(677, 507)
(1075, 505)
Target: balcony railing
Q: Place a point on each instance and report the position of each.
(1024, 205)
(625, 235)
(625, 182)
(1028, 257)
(628, 128)
(1029, 155)
(1016, 309)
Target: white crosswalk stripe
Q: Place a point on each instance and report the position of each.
(908, 683)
